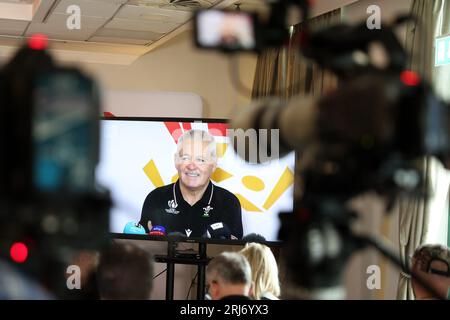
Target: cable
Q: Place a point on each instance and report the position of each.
(190, 287)
(159, 274)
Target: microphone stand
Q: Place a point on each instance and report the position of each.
(174, 257)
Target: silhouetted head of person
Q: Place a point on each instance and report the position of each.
(125, 271)
(227, 275)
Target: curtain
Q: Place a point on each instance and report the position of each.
(283, 72)
(266, 73)
(418, 216)
(413, 221)
(419, 37)
(303, 76)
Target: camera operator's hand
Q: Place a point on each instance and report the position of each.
(421, 261)
(441, 284)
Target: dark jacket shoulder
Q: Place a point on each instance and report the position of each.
(225, 194)
(162, 190)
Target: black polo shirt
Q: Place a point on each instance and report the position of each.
(165, 206)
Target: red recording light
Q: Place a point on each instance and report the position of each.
(19, 252)
(410, 78)
(38, 42)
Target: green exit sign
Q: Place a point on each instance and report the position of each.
(442, 51)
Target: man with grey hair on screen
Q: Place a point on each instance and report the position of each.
(193, 206)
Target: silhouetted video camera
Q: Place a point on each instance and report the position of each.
(49, 137)
(369, 134)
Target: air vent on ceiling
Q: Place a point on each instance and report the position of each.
(175, 4)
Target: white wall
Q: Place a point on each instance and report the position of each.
(152, 104)
(178, 66)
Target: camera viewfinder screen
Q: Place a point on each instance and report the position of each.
(229, 30)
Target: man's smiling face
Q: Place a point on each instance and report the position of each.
(195, 164)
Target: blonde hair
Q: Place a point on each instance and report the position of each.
(264, 269)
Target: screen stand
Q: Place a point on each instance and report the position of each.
(174, 257)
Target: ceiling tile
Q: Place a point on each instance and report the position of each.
(129, 34)
(153, 14)
(179, 5)
(18, 1)
(65, 36)
(12, 27)
(7, 32)
(58, 22)
(56, 26)
(91, 8)
(141, 25)
(120, 40)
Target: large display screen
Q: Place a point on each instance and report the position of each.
(137, 157)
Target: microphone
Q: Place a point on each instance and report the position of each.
(176, 234)
(133, 228)
(218, 230)
(157, 231)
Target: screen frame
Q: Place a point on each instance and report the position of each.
(167, 239)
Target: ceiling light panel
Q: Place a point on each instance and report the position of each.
(178, 5)
(12, 27)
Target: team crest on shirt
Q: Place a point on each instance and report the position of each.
(172, 207)
(206, 211)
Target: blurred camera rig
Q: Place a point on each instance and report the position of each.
(49, 137)
(369, 134)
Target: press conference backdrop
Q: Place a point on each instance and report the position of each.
(137, 156)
